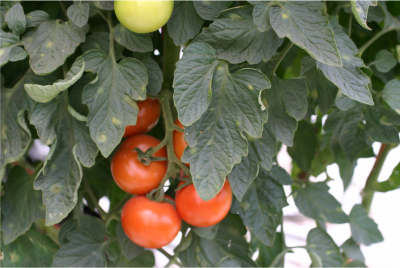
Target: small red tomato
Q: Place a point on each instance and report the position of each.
(179, 141)
(200, 213)
(130, 174)
(150, 224)
(147, 118)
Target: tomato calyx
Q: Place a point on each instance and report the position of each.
(186, 182)
(158, 195)
(146, 157)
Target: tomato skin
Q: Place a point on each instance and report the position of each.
(150, 224)
(147, 118)
(143, 16)
(200, 213)
(130, 174)
(179, 141)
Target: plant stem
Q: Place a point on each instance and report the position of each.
(369, 189)
(282, 54)
(171, 56)
(110, 26)
(93, 197)
(166, 254)
(370, 41)
(350, 24)
(120, 205)
(63, 9)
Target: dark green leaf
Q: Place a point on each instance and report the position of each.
(207, 232)
(349, 78)
(363, 228)
(352, 250)
(192, 256)
(234, 108)
(155, 76)
(209, 10)
(132, 41)
(384, 61)
(377, 131)
(321, 161)
(17, 54)
(320, 243)
(245, 42)
(105, 5)
(391, 22)
(343, 102)
(16, 19)
(391, 94)
(392, 183)
(101, 41)
(128, 248)
(79, 13)
(267, 254)
(229, 262)
(145, 259)
(111, 96)
(280, 175)
(21, 205)
(184, 23)
(360, 11)
(89, 224)
(186, 241)
(316, 202)
(51, 43)
(35, 18)
(31, 249)
(7, 42)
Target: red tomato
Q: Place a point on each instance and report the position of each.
(179, 141)
(147, 118)
(130, 174)
(150, 224)
(200, 213)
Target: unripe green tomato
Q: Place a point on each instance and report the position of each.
(143, 16)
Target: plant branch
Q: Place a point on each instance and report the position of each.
(362, 49)
(369, 189)
(350, 24)
(120, 205)
(282, 54)
(93, 197)
(171, 54)
(110, 26)
(63, 9)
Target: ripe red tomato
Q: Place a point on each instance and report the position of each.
(130, 174)
(200, 213)
(147, 118)
(150, 224)
(179, 141)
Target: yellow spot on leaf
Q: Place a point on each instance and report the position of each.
(250, 87)
(102, 138)
(285, 16)
(55, 188)
(116, 121)
(49, 44)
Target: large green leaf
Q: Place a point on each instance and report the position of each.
(245, 42)
(316, 202)
(321, 244)
(360, 10)
(363, 228)
(391, 94)
(384, 61)
(21, 205)
(349, 78)
(184, 23)
(35, 18)
(216, 140)
(261, 207)
(51, 43)
(72, 146)
(392, 183)
(352, 250)
(31, 249)
(209, 10)
(16, 19)
(303, 24)
(129, 249)
(206, 232)
(132, 41)
(287, 104)
(79, 13)
(15, 135)
(7, 42)
(111, 97)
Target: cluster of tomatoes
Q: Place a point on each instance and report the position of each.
(146, 222)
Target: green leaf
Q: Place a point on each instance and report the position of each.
(384, 61)
(229, 262)
(79, 13)
(305, 145)
(352, 250)
(280, 175)
(360, 10)
(154, 74)
(392, 183)
(111, 96)
(245, 42)
(316, 202)
(229, 242)
(192, 256)
(15, 135)
(391, 94)
(17, 54)
(349, 78)
(184, 23)
(355, 264)
(287, 104)
(261, 15)
(377, 131)
(320, 243)
(186, 241)
(16, 19)
(316, 82)
(261, 207)
(7, 43)
(128, 248)
(235, 108)
(51, 43)
(104, 5)
(390, 22)
(323, 159)
(209, 10)
(343, 102)
(89, 224)
(132, 41)
(315, 259)
(72, 146)
(145, 259)
(31, 249)
(363, 228)
(4, 8)
(206, 232)
(260, 151)
(101, 41)
(21, 205)
(41, 93)
(267, 254)
(294, 21)
(35, 18)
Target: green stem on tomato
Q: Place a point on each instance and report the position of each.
(362, 49)
(282, 54)
(370, 185)
(171, 56)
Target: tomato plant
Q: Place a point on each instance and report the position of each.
(235, 109)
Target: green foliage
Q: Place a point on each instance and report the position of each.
(321, 78)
